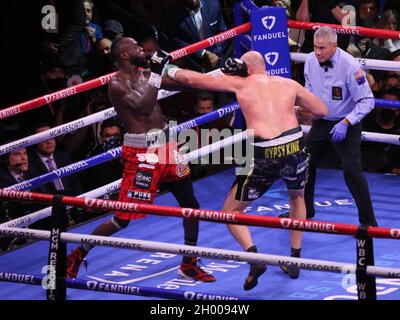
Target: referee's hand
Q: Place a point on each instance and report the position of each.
(339, 132)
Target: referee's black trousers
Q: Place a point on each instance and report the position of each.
(318, 142)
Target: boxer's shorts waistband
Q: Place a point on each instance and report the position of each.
(286, 144)
(153, 138)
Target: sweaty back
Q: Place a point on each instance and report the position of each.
(268, 105)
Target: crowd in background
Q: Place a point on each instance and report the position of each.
(44, 57)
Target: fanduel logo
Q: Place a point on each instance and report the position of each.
(271, 58)
(268, 22)
(395, 233)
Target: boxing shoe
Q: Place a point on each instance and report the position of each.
(193, 271)
(256, 270)
(292, 271)
(74, 261)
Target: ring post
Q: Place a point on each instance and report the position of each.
(269, 36)
(366, 284)
(57, 264)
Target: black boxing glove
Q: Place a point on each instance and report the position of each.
(235, 67)
(158, 62)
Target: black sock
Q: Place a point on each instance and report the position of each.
(86, 247)
(191, 234)
(295, 253)
(252, 249)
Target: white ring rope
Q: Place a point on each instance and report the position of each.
(202, 252)
(113, 186)
(75, 125)
(372, 64)
(370, 136)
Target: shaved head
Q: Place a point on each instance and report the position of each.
(125, 49)
(118, 45)
(255, 62)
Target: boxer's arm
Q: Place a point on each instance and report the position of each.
(172, 85)
(313, 106)
(221, 83)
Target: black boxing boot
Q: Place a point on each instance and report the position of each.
(292, 270)
(256, 270)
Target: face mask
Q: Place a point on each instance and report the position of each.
(388, 115)
(56, 84)
(112, 142)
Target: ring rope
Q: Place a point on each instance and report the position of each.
(206, 215)
(116, 152)
(223, 36)
(101, 81)
(371, 136)
(357, 31)
(373, 64)
(248, 6)
(97, 117)
(110, 112)
(46, 212)
(202, 252)
(100, 286)
(113, 186)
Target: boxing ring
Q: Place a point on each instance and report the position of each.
(151, 270)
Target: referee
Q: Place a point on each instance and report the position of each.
(337, 79)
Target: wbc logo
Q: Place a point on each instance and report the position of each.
(271, 58)
(268, 22)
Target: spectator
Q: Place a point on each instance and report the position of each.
(149, 45)
(293, 33)
(325, 12)
(100, 61)
(16, 168)
(91, 31)
(81, 142)
(112, 29)
(46, 158)
(276, 3)
(205, 103)
(370, 50)
(104, 173)
(392, 157)
(52, 79)
(369, 11)
(190, 21)
(394, 56)
(382, 120)
(391, 4)
(390, 80)
(390, 21)
(150, 10)
(64, 42)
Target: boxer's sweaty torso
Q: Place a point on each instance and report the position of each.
(134, 120)
(267, 103)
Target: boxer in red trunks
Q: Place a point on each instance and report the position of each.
(149, 156)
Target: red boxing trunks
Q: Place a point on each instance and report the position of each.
(146, 168)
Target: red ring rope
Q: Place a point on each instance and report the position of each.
(207, 215)
(358, 31)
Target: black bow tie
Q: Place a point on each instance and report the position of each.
(326, 64)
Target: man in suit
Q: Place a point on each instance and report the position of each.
(190, 21)
(14, 169)
(45, 158)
